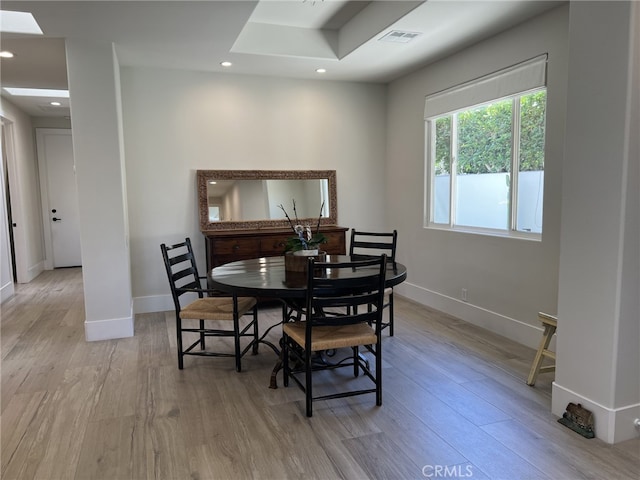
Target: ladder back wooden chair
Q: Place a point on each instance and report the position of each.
(202, 304)
(368, 244)
(332, 321)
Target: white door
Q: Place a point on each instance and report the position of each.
(60, 197)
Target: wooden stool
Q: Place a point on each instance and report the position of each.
(550, 324)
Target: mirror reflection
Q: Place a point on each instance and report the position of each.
(249, 199)
(246, 200)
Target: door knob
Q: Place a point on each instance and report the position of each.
(56, 219)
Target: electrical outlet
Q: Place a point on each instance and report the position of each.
(463, 294)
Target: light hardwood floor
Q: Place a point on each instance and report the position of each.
(455, 405)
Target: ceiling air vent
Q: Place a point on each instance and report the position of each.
(397, 36)
(50, 109)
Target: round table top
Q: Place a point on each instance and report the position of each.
(266, 277)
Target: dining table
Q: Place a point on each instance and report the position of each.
(267, 278)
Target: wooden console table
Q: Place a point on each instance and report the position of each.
(224, 246)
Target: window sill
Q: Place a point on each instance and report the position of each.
(489, 232)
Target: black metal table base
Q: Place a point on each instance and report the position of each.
(293, 312)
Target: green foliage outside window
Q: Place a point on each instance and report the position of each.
(443, 146)
(484, 137)
(532, 126)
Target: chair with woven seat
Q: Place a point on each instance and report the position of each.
(368, 244)
(206, 305)
(333, 321)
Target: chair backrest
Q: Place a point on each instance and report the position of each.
(182, 271)
(368, 244)
(336, 290)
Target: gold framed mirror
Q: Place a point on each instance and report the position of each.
(251, 199)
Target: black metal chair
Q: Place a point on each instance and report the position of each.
(206, 304)
(334, 293)
(368, 244)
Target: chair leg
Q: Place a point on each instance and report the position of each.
(356, 364)
(379, 373)
(179, 342)
(391, 314)
(308, 380)
(201, 335)
(236, 340)
(285, 360)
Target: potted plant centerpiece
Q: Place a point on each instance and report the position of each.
(304, 243)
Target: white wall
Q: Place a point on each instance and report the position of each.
(598, 359)
(629, 353)
(177, 122)
(25, 191)
(507, 280)
(97, 130)
(255, 208)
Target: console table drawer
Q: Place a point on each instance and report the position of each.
(272, 246)
(224, 246)
(235, 246)
(336, 244)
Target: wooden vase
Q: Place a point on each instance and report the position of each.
(298, 263)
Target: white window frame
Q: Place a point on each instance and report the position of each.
(516, 81)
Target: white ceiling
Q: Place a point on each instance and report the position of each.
(269, 37)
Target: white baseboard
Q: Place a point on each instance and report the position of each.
(6, 291)
(34, 271)
(153, 303)
(510, 328)
(109, 329)
(611, 425)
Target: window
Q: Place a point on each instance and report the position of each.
(485, 159)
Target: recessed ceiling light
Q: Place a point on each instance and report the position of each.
(18, 22)
(212, 182)
(56, 104)
(321, 70)
(226, 64)
(36, 92)
(6, 54)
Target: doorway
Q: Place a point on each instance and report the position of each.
(9, 274)
(7, 206)
(59, 192)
